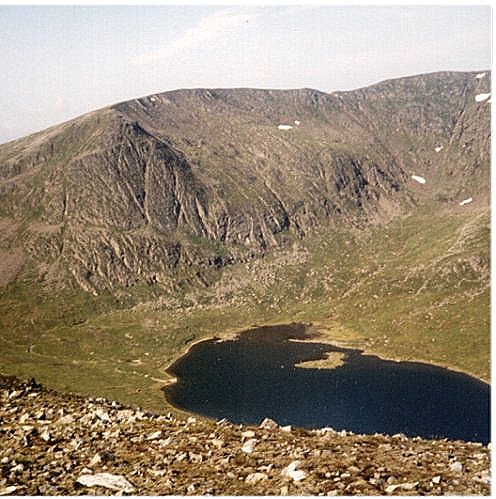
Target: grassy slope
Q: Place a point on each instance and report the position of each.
(417, 289)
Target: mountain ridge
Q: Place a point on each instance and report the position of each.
(212, 163)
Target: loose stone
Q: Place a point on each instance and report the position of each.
(255, 477)
(456, 467)
(269, 424)
(249, 446)
(107, 480)
(292, 471)
(8, 490)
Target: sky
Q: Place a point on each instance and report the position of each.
(57, 62)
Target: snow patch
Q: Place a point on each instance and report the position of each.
(465, 201)
(297, 122)
(438, 148)
(420, 180)
(284, 127)
(153, 99)
(482, 97)
(480, 75)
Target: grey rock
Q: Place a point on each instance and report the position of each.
(195, 458)
(376, 482)
(456, 467)
(107, 480)
(409, 486)
(96, 459)
(23, 418)
(269, 424)
(292, 471)
(7, 491)
(256, 477)
(391, 488)
(155, 435)
(102, 415)
(18, 468)
(266, 467)
(217, 442)
(248, 434)
(66, 420)
(484, 477)
(249, 445)
(47, 489)
(159, 473)
(45, 435)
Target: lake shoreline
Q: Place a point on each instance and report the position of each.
(259, 374)
(316, 336)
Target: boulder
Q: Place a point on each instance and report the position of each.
(7, 491)
(456, 467)
(269, 424)
(107, 480)
(249, 445)
(253, 478)
(292, 471)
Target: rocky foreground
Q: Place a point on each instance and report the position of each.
(53, 443)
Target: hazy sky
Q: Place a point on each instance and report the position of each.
(59, 62)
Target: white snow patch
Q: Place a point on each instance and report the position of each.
(438, 148)
(480, 75)
(482, 97)
(284, 127)
(153, 99)
(420, 180)
(297, 122)
(466, 201)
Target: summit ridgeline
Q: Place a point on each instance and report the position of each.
(138, 192)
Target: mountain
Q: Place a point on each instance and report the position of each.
(124, 194)
(267, 204)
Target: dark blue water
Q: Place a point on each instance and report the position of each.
(254, 376)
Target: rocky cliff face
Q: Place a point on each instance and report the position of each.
(141, 191)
